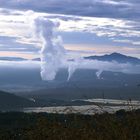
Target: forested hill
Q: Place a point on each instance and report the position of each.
(11, 101)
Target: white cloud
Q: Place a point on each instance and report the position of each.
(18, 25)
(79, 64)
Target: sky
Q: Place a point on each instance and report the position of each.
(87, 27)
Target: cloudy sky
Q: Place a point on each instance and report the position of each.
(88, 27)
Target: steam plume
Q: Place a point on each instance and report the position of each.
(53, 55)
(98, 74)
(52, 51)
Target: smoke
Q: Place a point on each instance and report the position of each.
(71, 69)
(53, 55)
(98, 74)
(52, 51)
(72, 66)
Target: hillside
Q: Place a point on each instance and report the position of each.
(11, 101)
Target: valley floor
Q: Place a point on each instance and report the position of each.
(88, 106)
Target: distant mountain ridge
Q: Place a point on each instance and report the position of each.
(36, 59)
(120, 58)
(12, 59)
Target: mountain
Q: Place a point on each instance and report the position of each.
(10, 101)
(120, 58)
(36, 59)
(12, 59)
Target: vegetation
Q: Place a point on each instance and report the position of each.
(9, 101)
(42, 126)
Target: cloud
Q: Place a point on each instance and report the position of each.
(19, 26)
(91, 8)
(10, 44)
(109, 66)
(53, 55)
(115, 20)
(20, 64)
(100, 66)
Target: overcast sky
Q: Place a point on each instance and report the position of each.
(88, 27)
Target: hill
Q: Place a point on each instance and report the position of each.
(10, 101)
